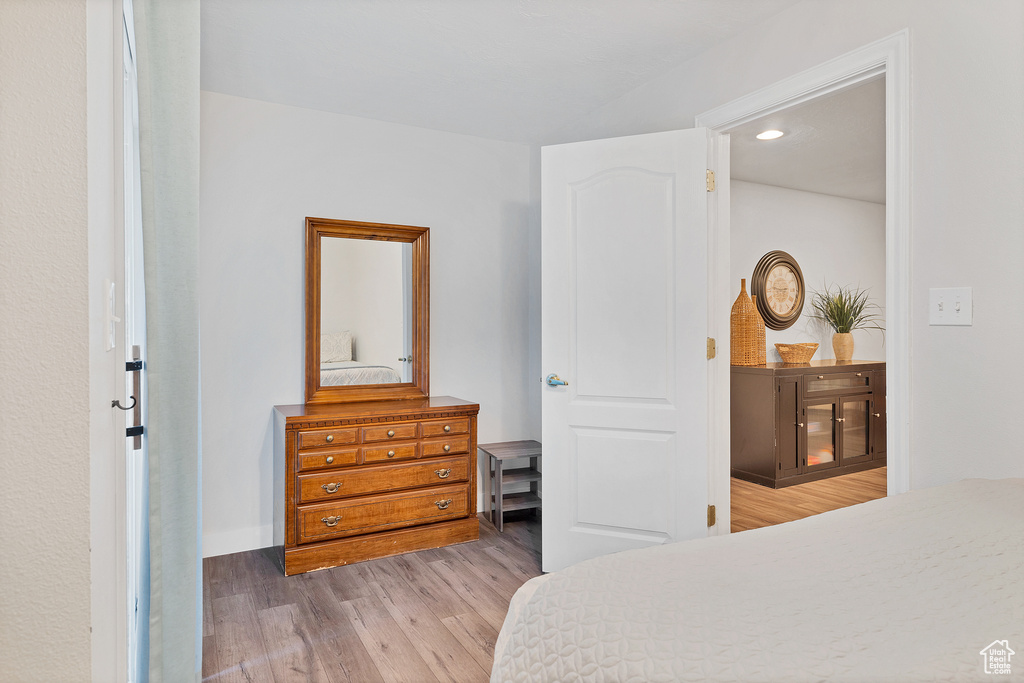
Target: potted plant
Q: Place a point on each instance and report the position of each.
(845, 309)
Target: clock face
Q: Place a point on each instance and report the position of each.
(779, 286)
(782, 289)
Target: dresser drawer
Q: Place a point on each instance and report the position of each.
(318, 438)
(317, 460)
(459, 425)
(391, 511)
(393, 432)
(333, 485)
(445, 446)
(403, 451)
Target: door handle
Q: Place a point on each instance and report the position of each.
(553, 380)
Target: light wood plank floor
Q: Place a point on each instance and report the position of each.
(755, 506)
(427, 616)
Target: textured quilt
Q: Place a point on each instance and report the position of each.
(351, 372)
(908, 588)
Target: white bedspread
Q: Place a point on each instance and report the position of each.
(352, 372)
(907, 588)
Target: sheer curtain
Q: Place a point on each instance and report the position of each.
(167, 39)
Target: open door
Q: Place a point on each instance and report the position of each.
(133, 315)
(625, 226)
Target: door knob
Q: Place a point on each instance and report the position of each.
(554, 381)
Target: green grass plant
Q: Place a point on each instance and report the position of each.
(845, 309)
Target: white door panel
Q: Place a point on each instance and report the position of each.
(621, 235)
(624, 275)
(622, 481)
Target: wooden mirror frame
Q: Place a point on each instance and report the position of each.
(420, 240)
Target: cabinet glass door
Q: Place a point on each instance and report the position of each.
(820, 452)
(855, 430)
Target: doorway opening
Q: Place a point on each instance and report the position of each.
(813, 188)
(758, 223)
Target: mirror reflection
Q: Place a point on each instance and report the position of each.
(365, 311)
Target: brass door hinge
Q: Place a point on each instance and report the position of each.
(711, 515)
(712, 348)
(711, 180)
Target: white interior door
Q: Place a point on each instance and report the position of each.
(624, 323)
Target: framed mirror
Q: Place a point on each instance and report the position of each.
(367, 311)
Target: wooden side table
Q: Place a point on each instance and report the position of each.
(500, 502)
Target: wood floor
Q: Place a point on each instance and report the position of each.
(755, 506)
(427, 616)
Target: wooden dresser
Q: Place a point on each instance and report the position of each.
(357, 481)
(792, 424)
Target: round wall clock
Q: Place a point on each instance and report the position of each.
(779, 286)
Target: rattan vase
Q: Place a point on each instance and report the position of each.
(746, 331)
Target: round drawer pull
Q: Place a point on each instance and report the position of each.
(447, 428)
(447, 448)
(443, 504)
(331, 488)
(330, 438)
(443, 474)
(331, 521)
(391, 454)
(330, 459)
(877, 414)
(821, 376)
(391, 432)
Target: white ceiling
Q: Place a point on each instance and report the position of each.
(832, 145)
(523, 71)
(515, 70)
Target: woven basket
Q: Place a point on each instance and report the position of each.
(796, 353)
(746, 331)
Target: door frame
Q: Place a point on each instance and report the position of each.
(889, 56)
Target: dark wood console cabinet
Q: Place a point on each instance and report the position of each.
(791, 424)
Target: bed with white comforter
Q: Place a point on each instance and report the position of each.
(907, 588)
(340, 373)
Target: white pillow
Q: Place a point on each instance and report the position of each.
(335, 348)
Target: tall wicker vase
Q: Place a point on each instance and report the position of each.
(746, 331)
(761, 345)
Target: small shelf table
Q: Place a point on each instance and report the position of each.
(500, 502)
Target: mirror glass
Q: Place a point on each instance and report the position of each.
(365, 311)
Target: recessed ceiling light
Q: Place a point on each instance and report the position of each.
(770, 135)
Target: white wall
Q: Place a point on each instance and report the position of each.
(44, 343)
(836, 241)
(967, 192)
(265, 167)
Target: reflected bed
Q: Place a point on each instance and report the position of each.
(352, 372)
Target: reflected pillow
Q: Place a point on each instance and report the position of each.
(335, 348)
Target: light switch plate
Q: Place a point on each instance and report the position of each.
(950, 306)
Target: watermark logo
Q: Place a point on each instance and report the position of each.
(997, 657)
